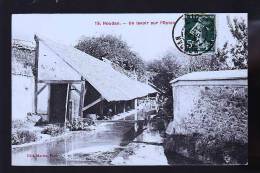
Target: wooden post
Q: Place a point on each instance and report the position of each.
(36, 74)
(71, 108)
(156, 102)
(101, 108)
(48, 107)
(135, 107)
(115, 108)
(67, 104)
(81, 100)
(136, 118)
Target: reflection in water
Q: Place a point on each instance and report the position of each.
(53, 153)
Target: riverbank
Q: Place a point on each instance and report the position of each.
(146, 149)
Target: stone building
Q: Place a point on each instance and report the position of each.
(23, 53)
(187, 90)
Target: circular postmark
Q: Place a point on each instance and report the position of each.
(195, 34)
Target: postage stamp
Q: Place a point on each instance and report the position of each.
(195, 34)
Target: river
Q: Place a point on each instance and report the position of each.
(111, 136)
(111, 143)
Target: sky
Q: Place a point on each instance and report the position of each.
(149, 41)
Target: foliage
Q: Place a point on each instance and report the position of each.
(220, 114)
(164, 70)
(216, 131)
(206, 149)
(22, 136)
(200, 63)
(114, 49)
(23, 56)
(222, 151)
(80, 124)
(53, 130)
(230, 56)
(22, 59)
(20, 132)
(212, 62)
(18, 124)
(237, 52)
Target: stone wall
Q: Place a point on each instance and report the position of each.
(22, 79)
(186, 95)
(22, 96)
(210, 120)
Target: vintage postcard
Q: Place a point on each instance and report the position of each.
(129, 89)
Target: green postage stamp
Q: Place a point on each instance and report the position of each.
(199, 33)
(196, 33)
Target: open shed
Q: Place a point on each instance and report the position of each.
(75, 84)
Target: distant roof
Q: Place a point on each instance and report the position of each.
(111, 84)
(212, 75)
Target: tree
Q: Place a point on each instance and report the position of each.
(164, 70)
(213, 62)
(114, 49)
(219, 60)
(239, 51)
(230, 56)
(200, 63)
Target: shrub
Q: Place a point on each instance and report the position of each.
(220, 118)
(18, 124)
(23, 136)
(220, 151)
(80, 124)
(203, 149)
(220, 113)
(53, 130)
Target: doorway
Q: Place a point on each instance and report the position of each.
(57, 103)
